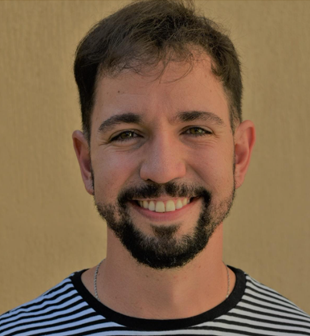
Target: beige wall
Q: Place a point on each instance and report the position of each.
(48, 223)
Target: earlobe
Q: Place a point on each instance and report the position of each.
(244, 142)
(82, 152)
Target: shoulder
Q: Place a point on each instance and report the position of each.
(268, 310)
(268, 297)
(51, 305)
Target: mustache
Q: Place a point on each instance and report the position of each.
(154, 190)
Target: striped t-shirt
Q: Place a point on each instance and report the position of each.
(69, 309)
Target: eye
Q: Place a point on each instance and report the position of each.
(197, 131)
(125, 136)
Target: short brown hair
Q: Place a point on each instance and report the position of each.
(145, 33)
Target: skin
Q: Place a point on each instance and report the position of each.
(163, 149)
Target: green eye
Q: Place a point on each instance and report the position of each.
(197, 131)
(126, 135)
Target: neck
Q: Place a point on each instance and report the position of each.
(140, 291)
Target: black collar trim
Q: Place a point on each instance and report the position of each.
(150, 324)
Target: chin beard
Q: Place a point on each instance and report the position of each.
(163, 250)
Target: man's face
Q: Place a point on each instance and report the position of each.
(162, 157)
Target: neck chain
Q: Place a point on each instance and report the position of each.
(95, 281)
(98, 266)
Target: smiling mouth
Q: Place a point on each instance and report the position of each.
(164, 206)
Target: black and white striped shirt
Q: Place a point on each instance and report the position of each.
(69, 309)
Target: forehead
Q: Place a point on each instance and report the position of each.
(175, 88)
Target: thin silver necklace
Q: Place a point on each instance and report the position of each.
(95, 280)
(98, 266)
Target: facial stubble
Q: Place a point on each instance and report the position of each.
(162, 249)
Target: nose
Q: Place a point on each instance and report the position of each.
(164, 160)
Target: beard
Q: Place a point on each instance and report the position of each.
(164, 250)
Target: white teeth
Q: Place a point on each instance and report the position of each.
(179, 204)
(159, 206)
(152, 206)
(170, 206)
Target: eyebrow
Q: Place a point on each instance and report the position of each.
(133, 118)
(198, 115)
(127, 118)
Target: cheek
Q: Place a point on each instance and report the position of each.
(215, 168)
(111, 173)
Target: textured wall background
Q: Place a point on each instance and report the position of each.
(49, 227)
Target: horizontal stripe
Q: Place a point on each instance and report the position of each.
(252, 309)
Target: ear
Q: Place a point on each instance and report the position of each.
(244, 142)
(82, 152)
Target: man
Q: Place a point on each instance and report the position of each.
(162, 151)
